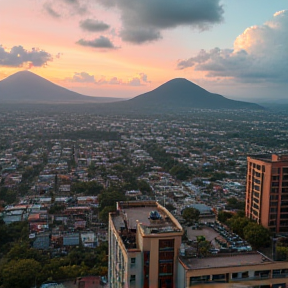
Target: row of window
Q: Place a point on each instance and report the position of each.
(277, 178)
(241, 275)
(274, 184)
(278, 170)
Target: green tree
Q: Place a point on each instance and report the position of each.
(21, 274)
(237, 224)
(144, 187)
(203, 248)
(281, 253)
(234, 203)
(224, 216)
(257, 235)
(7, 195)
(191, 215)
(104, 214)
(88, 188)
(109, 198)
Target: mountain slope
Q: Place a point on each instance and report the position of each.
(27, 87)
(180, 93)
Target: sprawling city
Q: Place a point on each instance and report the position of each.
(146, 201)
(143, 144)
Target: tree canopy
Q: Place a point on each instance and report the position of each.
(257, 235)
(191, 215)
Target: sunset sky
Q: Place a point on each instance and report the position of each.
(122, 48)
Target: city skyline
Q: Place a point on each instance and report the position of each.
(123, 49)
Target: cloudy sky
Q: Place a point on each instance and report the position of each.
(122, 48)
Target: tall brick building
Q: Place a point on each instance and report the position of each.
(267, 191)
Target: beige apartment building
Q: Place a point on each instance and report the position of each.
(144, 240)
(267, 191)
(144, 251)
(249, 269)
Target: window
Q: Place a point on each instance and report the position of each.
(219, 277)
(256, 200)
(165, 269)
(262, 274)
(245, 274)
(272, 223)
(234, 275)
(165, 256)
(275, 178)
(255, 206)
(133, 262)
(273, 197)
(255, 213)
(166, 245)
(285, 170)
(257, 174)
(284, 184)
(199, 279)
(256, 194)
(132, 278)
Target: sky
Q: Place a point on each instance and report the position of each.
(123, 48)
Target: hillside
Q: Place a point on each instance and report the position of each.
(181, 94)
(27, 87)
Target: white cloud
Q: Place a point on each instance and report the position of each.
(259, 54)
(82, 77)
(140, 79)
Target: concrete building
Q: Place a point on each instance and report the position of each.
(250, 269)
(144, 241)
(267, 191)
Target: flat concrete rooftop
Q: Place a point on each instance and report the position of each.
(131, 214)
(218, 261)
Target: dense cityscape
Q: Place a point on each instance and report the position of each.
(143, 144)
(63, 173)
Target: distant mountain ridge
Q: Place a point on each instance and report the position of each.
(27, 87)
(176, 95)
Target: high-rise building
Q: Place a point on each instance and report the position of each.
(267, 191)
(144, 242)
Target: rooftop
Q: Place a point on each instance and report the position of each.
(270, 157)
(130, 213)
(140, 211)
(225, 260)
